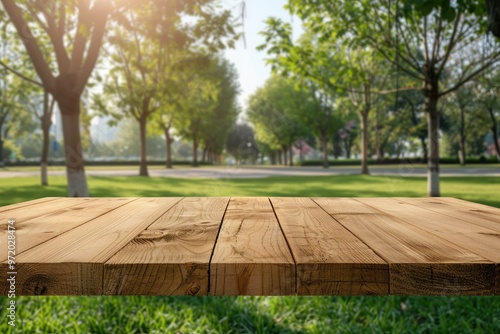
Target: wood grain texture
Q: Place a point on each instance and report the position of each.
(253, 246)
(251, 256)
(36, 230)
(39, 209)
(27, 203)
(456, 210)
(329, 259)
(477, 239)
(481, 210)
(437, 265)
(80, 252)
(171, 257)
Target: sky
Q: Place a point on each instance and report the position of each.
(249, 62)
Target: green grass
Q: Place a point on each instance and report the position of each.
(478, 189)
(256, 315)
(393, 314)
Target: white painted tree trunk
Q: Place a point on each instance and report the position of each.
(44, 174)
(77, 183)
(75, 171)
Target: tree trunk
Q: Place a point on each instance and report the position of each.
(280, 160)
(45, 153)
(285, 154)
(204, 154)
(75, 170)
(364, 143)
(324, 145)
(461, 144)
(291, 155)
(143, 165)
(433, 161)
(2, 121)
(301, 152)
(1, 150)
(347, 144)
(380, 153)
(424, 149)
(46, 123)
(195, 153)
(494, 129)
(169, 141)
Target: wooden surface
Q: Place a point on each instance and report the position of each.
(253, 246)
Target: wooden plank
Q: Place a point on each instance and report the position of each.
(171, 257)
(421, 263)
(251, 256)
(254, 204)
(477, 239)
(456, 210)
(497, 289)
(72, 263)
(27, 203)
(22, 213)
(329, 259)
(481, 210)
(35, 231)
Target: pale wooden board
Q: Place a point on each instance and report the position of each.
(253, 204)
(456, 210)
(479, 240)
(63, 261)
(421, 263)
(22, 213)
(34, 231)
(27, 203)
(251, 256)
(477, 209)
(172, 256)
(329, 259)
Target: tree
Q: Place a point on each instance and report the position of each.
(403, 31)
(224, 113)
(321, 117)
(16, 62)
(334, 68)
(488, 92)
(201, 99)
(75, 30)
(460, 106)
(45, 117)
(241, 143)
(277, 110)
(15, 120)
(146, 59)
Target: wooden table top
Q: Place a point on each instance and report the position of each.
(252, 246)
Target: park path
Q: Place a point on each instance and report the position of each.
(261, 172)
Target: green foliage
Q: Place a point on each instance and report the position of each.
(241, 143)
(279, 112)
(162, 73)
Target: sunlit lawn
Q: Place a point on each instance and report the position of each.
(248, 314)
(477, 189)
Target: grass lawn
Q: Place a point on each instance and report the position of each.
(394, 314)
(478, 189)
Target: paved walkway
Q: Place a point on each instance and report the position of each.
(261, 172)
